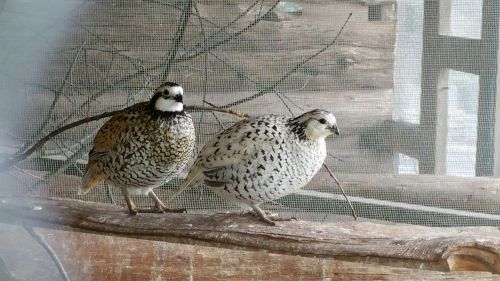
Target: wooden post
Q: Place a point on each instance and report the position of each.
(487, 89)
(477, 56)
(429, 85)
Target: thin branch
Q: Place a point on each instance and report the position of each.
(57, 96)
(353, 211)
(124, 80)
(225, 27)
(230, 38)
(21, 156)
(53, 255)
(179, 35)
(215, 108)
(53, 174)
(182, 10)
(293, 70)
(282, 97)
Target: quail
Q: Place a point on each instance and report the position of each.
(143, 146)
(262, 159)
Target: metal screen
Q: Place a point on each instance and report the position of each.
(413, 85)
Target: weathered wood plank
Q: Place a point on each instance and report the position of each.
(97, 257)
(398, 245)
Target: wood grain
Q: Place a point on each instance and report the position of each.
(408, 246)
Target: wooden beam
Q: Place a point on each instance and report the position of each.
(429, 84)
(398, 245)
(433, 200)
(97, 257)
(460, 54)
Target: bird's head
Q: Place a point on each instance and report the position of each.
(168, 98)
(318, 124)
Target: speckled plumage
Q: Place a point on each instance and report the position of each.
(143, 146)
(262, 159)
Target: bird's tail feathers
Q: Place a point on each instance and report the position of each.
(89, 181)
(190, 181)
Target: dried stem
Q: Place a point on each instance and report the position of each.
(57, 95)
(293, 70)
(225, 27)
(353, 211)
(179, 35)
(230, 38)
(215, 108)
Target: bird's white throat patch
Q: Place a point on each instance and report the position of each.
(168, 105)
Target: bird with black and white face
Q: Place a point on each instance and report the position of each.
(264, 158)
(142, 147)
(168, 98)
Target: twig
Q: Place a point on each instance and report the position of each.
(215, 108)
(57, 95)
(41, 240)
(127, 78)
(182, 10)
(21, 156)
(353, 211)
(282, 97)
(225, 27)
(284, 77)
(53, 174)
(179, 34)
(233, 36)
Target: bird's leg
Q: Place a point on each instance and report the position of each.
(268, 218)
(160, 207)
(275, 217)
(131, 206)
(262, 215)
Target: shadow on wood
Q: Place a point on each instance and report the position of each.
(410, 246)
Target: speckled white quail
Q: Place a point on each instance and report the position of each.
(262, 159)
(142, 147)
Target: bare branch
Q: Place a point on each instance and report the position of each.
(353, 211)
(293, 70)
(179, 34)
(57, 96)
(225, 27)
(230, 38)
(19, 156)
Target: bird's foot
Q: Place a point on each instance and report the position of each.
(276, 217)
(163, 209)
(159, 210)
(270, 218)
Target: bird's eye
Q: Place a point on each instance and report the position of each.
(322, 121)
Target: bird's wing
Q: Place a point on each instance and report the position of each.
(115, 129)
(233, 146)
(239, 142)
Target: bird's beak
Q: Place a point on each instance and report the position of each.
(178, 98)
(335, 130)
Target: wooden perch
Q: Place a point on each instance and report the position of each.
(410, 246)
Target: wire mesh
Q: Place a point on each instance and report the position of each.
(417, 113)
